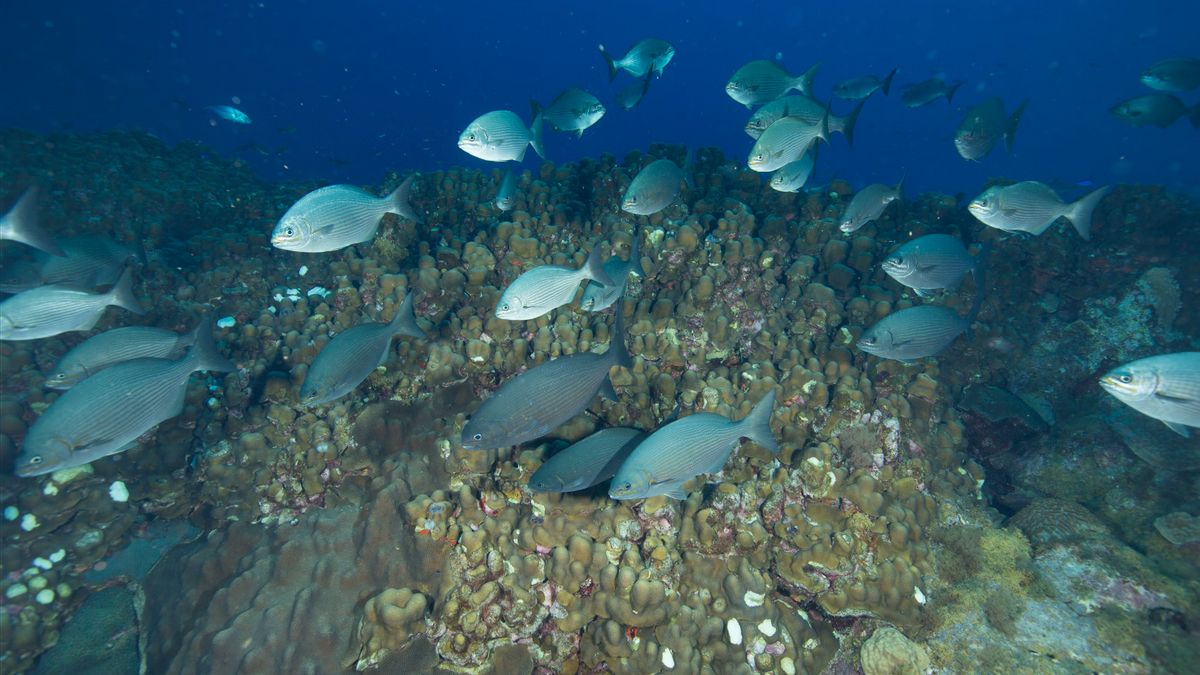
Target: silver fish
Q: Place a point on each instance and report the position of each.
(647, 56)
(1177, 74)
(916, 332)
(805, 108)
(90, 260)
(573, 110)
(545, 397)
(868, 204)
(786, 141)
(51, 310)
(230, 113)
(985, 124)
(21, 224)
(597, 296)
(588, 462)
(654, 188)
(697, 444)
(763, 81)
(1165, 387)
(506, 195)
(861, 87)
(629, 97)
(924, 93)
(337, 216)
(500, 136)
(934, 261)
(1159, 110)
(545, 288)
(792, 177)
(105, 414)
(116, 346)
(354, 354)
(1033, 207)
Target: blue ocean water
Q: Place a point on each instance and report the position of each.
(345, 91)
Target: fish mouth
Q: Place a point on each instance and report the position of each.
(1114, 386)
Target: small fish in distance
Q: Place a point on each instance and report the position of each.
(924, 93)
(792, 177)
(763, 81)
(630, 96)
(1033, 207)
(868, 205)
(1157, 110)
(650, 55)
(506, 195)
(1176, 74)
(654, 188)
(597, 296)
(21, 224)
(859, 88)
(547, 287)
(230, 114)
(337, 216)
(1165, 387)
(573, 110)
(985, 124)
(501, 136)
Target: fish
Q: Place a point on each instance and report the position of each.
(230, 113)
(337, 216)
(650, 55)
(805, 108)
(106, 413)
(858, 88)
(868, 204)
(506, 195)
(924, 93)
(1165, 387)
(51, 310)
(934, 261)
(1159, 110)
(654, 188)
(916, 332)
(764, 81)
(1177, 74)
(354, 354)
(546, 396)
(501, 136)
(597, 296)
(588, 462)
(90, 260)
(573, 110)
(21, 224)
(786, 141)
(1033, 207)
(792, 177)
(629, 97)
(545, 288)
(697, 444)
(985, 124)
(117, 346)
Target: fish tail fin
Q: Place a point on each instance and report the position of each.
(1080, 212)
(594, 268)
(900, 189)
(805, 82)
(887, 81)
(194, 334)
(824, 131)
(951, 90)
(535, 134)
(618, 335)
(608, 61)
(850, 120)
(122, 295)
(398, 201)
(21, 224)
(204, 354)
(405, 321)
(1011, 131)
(757, 425)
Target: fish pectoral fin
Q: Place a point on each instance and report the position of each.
(328, 229)
(1010, 212)
(607, 391)
(676, 493)
(1176, 400)
(1179, 429)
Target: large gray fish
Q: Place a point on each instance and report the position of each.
(868, 204)
(21, 224)
(88, 261)
(985, 124)
(630, 96)
(105, 414)
(924, 93)
(934, 261)
(1177, 74)
(501, 136)
(588, 462)
(917, 332)
(337, 216)
(654, 188)
(51, 310)
(573, 110)
(506, 195)
(792, 177)
(786, 141)
(354, 354)
(116, 346)
(805, 108)
(1165, 387)
(597, 296)
(763, 81)
(1159, 110)
(858, 88)
(680, 451)
(548, 287)
(545, 397)
(647, 56)
(1033, 207)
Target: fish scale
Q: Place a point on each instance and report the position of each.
(115, 346)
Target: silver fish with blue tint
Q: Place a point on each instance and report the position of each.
(50, 310)
(573, 110)
(861, 87)
(924, 93)
(501, 136)
(792, 177)
(230, 114)
(1175, 74)
(337, 216)
(933, 261)
(116, 346)
(506, 195)
(654, 188)
(630, 96)
(763, 81)
(984, 124)
(597, 296)
(650, 55)
(1033, 207)
(805, 108)
(547, 287)
(588, 462)
(1165, 387)
(917, 332)
(868, 205)
(786, 141)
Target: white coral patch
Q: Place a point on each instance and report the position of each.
(735, 631)
(766, 627)
(668, 659)
(918, 595)
(118, 492)
(753, 599)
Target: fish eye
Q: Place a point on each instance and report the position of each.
(868, 340)
(36, 459)
(289, 231)
(504, 307)
(477, 437)
(632, 199)
(628, 486)
(470, 137)
(1126, 379)
(896, 260)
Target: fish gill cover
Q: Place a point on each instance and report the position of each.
(984, 472)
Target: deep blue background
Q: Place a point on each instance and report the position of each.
(354, 88)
